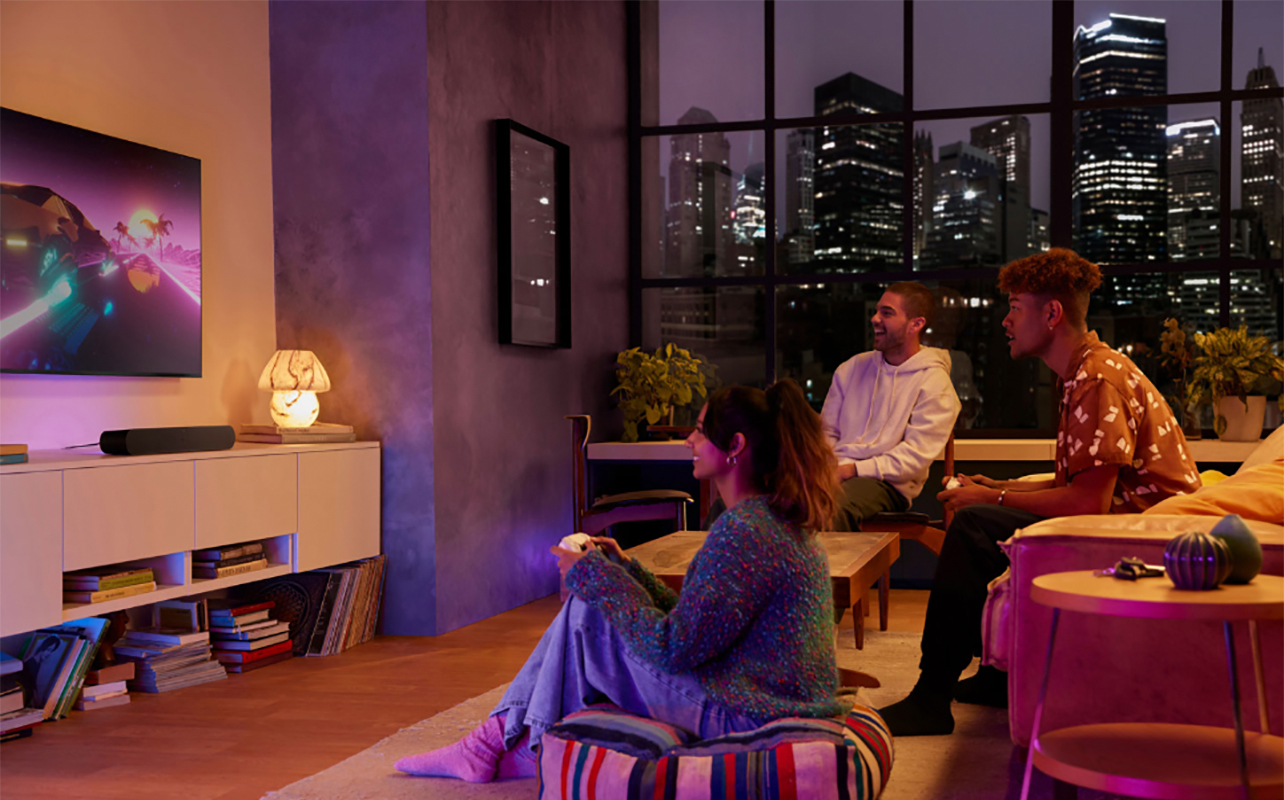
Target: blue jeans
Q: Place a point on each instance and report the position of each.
(581, 660)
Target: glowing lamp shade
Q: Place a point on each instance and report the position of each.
(294, 377)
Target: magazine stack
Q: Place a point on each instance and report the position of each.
(167, 660)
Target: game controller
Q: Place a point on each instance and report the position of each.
(953, 483)
(575, 542)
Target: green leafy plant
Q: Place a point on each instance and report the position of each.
(1177, 355)
(1232, 364)
(651, 385)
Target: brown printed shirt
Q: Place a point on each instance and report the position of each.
(1112, 414)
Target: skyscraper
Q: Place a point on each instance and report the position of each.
(966, 209)
(698, 211)
(749, 219)
(750, 216)
(924, 190)
(1194, 182)
(800, 195)
(1008, 140)
(1039, 239)
(858, 180)
(1262, 159)
(1118, 194)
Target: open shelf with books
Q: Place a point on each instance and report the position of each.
(170, 577)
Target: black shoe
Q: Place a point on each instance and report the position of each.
(988, 687)
(923, 713)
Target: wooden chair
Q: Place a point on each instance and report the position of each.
(612, 509)
(908, 525)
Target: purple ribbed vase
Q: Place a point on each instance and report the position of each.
(1197, 561)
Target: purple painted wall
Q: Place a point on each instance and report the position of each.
(351, 194)
(503, 493)
(365, 97)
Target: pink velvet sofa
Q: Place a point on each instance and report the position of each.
(1108, 669)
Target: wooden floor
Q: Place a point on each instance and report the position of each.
(250, 734)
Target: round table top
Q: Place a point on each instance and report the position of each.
(1157, 598)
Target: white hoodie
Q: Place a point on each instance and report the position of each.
(892, 422)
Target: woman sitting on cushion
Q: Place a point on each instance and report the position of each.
(750, 639)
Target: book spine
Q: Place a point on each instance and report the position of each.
(110, 594)
(102, 585)
(240, 611)
(227, 562)
(223, 572)
(228, 552)
(247, 656)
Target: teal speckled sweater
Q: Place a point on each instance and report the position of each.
(754, 622)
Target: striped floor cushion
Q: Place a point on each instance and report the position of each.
(603, 753)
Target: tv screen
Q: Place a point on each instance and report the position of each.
(100, 264)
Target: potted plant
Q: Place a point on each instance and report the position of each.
(1233, 372)
(652, 385)
(1177, 355)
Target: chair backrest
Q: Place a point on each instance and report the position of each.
(948, 516)
(581, 426)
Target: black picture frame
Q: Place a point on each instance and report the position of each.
(533, 191)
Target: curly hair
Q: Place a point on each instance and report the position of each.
(1059, 274)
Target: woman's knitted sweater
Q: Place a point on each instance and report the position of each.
(754, 622)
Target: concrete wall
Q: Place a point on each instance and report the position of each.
(502, 448)
(377, 109)
(191, 77)
(350, 162)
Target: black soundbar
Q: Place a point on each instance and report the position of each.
(155, 441)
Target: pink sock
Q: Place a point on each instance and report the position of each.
(472, 758)
(519, 762)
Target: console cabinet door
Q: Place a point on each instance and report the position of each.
(115, 514)
(338, 507)
(30, 551)
(244, 499)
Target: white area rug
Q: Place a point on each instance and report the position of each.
(978, 762)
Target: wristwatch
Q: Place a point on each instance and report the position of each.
(1002, 492)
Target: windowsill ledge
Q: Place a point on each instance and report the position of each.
(1204, 450)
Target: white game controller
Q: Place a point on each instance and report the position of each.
(575, 542)
(953, 483)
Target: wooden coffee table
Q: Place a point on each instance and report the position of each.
(856, 562)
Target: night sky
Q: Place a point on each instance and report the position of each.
(967, 53)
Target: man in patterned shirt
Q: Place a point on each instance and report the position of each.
(1119, 449)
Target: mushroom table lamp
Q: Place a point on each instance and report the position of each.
(294, 377)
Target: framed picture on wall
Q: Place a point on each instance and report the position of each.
(534, 219)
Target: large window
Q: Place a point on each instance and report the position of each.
(790, 160)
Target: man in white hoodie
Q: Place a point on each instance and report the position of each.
(889, 412)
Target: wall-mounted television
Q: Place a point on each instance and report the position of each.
(100, 253)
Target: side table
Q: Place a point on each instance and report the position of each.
(1162, 760)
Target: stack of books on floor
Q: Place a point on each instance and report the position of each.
(246, 637)
(314, 433)
(106, 687)
(56, 661)
(167, 660)
(17, 721)
(13, 454)
(350, 618)
(106, 583)
(220, 562)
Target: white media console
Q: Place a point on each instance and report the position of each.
(313, 505)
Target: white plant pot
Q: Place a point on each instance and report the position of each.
(1243, 425)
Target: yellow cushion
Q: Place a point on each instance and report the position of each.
(1210, 476)
(1256, 493)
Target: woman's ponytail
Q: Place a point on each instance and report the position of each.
(804, 483)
